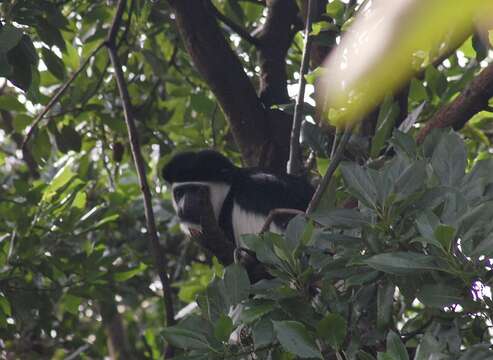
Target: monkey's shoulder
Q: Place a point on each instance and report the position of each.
(262, 191)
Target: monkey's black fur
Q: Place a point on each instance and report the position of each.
(247, 194)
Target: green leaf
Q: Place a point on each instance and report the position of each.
(385, 305)
(11, 103)
(445, 235)
(62, 177)
(384, 356)
(71, 57)
(417, 92)
(213, 302)
(21, 61)
(295, 339)
(439, 295)
(362, 355)
(294, 232)
(320, 26)
(411, 119)
(223, 328)
(70, 303)
(236, 283)
(485, 248)
(54, 64)
(312, 77)
(49, 34)
(449, 159)
(80, 200)
(335, 9)
(411, 180)
(389, 111)
(263, 333)
(427, 222)
(10, 36)
(402, 263)
(404, 142)
(262, 245)
(105, 220)
(398, 47)
(436, 81)
(359, 183)
(125, 275)
(349, 218)
(255, 309)
(68, 139)
(41, 146)
(395, 347)
(332, 328)
(185, 338)
(428, 348)
(5, 306)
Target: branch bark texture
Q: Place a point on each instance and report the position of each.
(224, 73)
(261, 133)
(473, 99)
(275, 38)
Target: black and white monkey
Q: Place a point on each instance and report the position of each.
(241, 198)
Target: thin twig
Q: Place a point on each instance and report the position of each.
(330, 171)
(77, 352)
(104, 146)
(334, 144)
(213, 125)
(88, 96)
(294, 162)
(239, 30)
(159, 260)
(58, 94)
(275, 212)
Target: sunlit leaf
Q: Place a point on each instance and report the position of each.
(381, 51)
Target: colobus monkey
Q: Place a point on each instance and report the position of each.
(241, 198)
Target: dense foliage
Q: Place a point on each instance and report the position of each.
(403, 274)
(413, 257)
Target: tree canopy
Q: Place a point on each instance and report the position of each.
(393, 262)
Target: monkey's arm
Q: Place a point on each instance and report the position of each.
(213, 239)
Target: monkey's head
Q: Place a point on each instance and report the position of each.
(193, 174)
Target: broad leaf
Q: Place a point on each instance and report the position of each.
(296, 339)
(402, 263)
(332, 328)
(236, 283)
(449, 159)
(395, 347)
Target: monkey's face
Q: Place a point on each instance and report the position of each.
(188, 201)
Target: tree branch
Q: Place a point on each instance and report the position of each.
(473, 99)
(224, 74)
(330, 171)
(159, 260)
(61, 90)
(295, 163)
(275, 37)
(275, 212)
(243, 33)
